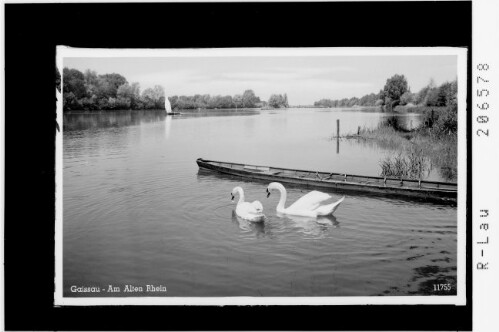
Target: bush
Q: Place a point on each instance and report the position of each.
(415, 165)
(447, 121)
(441, 121)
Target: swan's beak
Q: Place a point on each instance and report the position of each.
(231, 197)
(268, 193)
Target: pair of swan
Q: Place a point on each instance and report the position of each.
(309, 205)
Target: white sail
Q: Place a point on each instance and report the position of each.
(168, 106)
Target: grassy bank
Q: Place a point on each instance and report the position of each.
(417, 152)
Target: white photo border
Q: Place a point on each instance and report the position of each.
(462, 79)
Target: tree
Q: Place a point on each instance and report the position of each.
(153, 98)
(57, 79)
(238, 101)
(70, 102)
(128, 96)
(148, 99)
(352, 101)
(285, 101)
(432, 97)
(394, 88)
(278, 101)
(226, 102)
(109, 84)
(91, 82)
(406, 98)
(452, 98)
(249, 99)
(174, 102)
(447, 94)
(421, 98)
(74, 81)
(275, 101)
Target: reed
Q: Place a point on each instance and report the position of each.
(416, 152)
(413, 165)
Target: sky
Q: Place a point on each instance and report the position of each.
(305, 79)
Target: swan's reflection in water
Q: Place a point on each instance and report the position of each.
(312, 227)
(260, 229)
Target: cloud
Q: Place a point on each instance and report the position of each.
(300, 82)
(273, 74)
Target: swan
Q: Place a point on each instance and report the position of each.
(308, 205)
(246, 210)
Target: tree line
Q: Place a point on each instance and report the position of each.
(397, 92)
(89, 91)
(246, 100)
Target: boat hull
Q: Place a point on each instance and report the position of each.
(407, 188)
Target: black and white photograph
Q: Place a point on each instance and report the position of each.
(234, 165)
(261, 176)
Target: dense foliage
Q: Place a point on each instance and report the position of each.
(442, 122)
(367, 100)
(247, 100)
(395, 87)
(397, 92)
(90, 91)
(278, 101)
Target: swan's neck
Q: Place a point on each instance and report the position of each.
(282, 200)
(241, 195)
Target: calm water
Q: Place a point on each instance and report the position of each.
(138, 211)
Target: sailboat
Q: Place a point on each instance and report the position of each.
(168, 108)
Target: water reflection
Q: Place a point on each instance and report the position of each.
(107, 119)
(96, 120)
(215, 113)
(311, 227)
(168, 126)
(428, 276)
(428, 280)
(404, 122)
(257, 228)
(138, 209)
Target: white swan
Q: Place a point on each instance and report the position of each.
(246, 210)
(307, 206)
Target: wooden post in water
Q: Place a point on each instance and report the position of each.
(337, 136)
(358, 131)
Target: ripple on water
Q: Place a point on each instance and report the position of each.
(137, 210)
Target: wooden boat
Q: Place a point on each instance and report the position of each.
(446, 191)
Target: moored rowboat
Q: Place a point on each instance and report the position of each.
(385, 185)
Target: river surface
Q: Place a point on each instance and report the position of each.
(137, 210)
